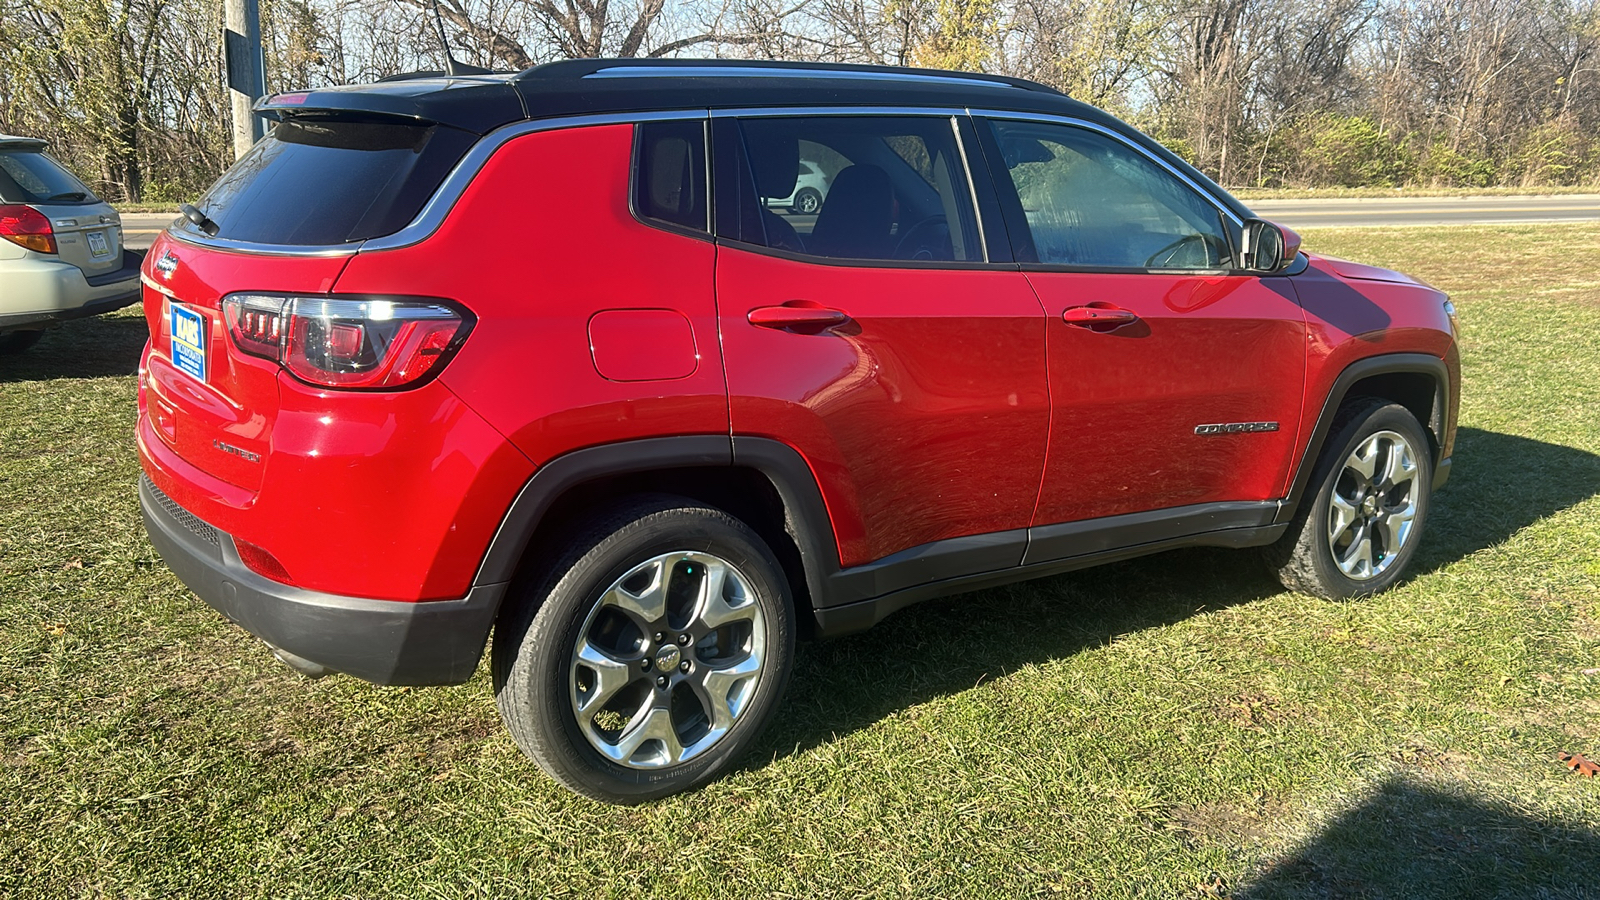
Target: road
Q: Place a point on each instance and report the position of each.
(1429, 210)
(140, 229)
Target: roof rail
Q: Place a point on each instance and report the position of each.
(574, 69)
(435, 73)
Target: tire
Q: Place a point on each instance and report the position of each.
(18, 341)
(625, 687)
(1373, 483)
(807, 202)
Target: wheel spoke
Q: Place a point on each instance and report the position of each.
(1399, 468)
(655, 725)
(610, 676)
(713, 610)
(725, 690)
(1364, 460)
(1340, 517)
(1357, 559)
(1395, 528)
(649, 605)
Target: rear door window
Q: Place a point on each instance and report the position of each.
(321, 181)
(32, 176)
(892, 188)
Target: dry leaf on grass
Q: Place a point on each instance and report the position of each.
(1579, 763)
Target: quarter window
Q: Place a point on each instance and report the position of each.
(1092, 201)
(890, 188)
(670, 174)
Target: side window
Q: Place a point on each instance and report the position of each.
(669, 182)
(890, 188)
(1090, 200)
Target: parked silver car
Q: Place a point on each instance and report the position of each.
(62, 255)
(810, 189)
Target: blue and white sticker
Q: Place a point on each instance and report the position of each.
(189, 341)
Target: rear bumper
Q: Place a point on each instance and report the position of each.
(382, 641)
(41, 292)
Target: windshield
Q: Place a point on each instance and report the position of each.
(32, 176)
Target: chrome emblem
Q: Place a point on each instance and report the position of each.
(166, 265)
(1236, 428)
(667, 659)
(240, 452)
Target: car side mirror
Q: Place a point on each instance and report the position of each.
(1268, 247)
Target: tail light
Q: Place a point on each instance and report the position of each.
(348, 342)
(27, 227)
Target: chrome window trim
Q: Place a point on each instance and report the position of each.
(952, 114)
(972, 187)
(768, 112)
(444, 199)
(1049, 119)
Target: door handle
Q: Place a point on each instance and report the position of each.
(1099, 316)
(808, 319)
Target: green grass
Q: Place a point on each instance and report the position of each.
(1175, 726)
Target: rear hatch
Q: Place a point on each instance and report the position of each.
(88, 232)
(284, 220)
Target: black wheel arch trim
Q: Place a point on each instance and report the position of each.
(1439, 427)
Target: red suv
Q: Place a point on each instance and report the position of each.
(535, 353)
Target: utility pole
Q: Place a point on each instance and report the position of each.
(246, 65)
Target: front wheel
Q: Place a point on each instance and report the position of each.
(660, 646)
(1357, 533)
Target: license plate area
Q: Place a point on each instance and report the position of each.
(188, 331)
(98, 245)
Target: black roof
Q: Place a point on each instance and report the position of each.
(481, 103)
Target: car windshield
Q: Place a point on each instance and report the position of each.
(32, 176)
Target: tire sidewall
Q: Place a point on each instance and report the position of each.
(545, 655)
(1386, 417)
(800, 201)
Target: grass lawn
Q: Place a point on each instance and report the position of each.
(1171, 727)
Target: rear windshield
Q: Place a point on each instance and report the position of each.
(31, 176)
(321, 181)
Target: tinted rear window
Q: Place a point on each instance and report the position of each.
(320, 181)
(31, 176)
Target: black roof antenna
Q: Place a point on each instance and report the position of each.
(451, 66)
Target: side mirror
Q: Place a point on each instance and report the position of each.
(1268, 247)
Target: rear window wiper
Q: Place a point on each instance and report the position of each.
(199, 219)
(69, 196)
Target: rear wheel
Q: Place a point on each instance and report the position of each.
(18, 341)
(651, 655)
(1357, 533)
(807, 202)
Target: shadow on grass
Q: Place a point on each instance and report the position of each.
(949, 645)
(1413, 840)
(1503, 484)
(96, 347)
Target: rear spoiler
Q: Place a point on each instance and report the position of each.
(478, 104)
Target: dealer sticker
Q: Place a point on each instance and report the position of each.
(189, 341)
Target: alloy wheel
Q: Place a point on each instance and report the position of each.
(1374, 505)
(667, 660)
